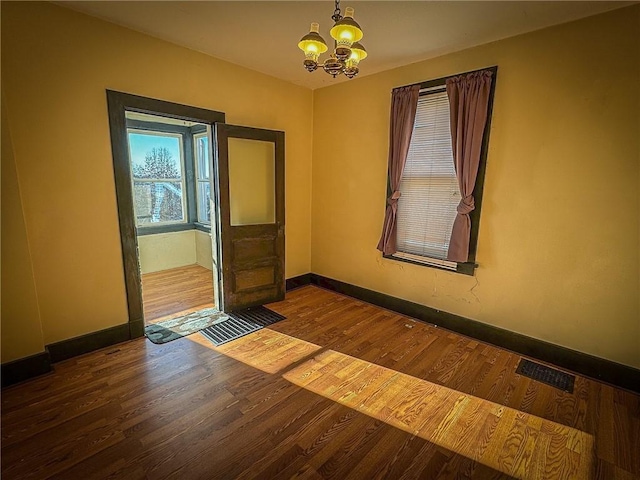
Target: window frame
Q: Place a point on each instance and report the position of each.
(198, 178)
(181, 180)
(188, 165)
(468, 267)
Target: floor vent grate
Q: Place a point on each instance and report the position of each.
(241, 323)
(260, 315)
(550, 376)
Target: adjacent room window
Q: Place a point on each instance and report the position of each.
(203, 185)
(429, 187)
(170, 173)
(157, 168)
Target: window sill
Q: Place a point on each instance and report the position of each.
(176, 227)
(466, 268)
(203, 227)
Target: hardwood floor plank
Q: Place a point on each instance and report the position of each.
(176, 292)
(444, 416)
(340, 389)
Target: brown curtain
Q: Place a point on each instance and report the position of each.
(404, 103)
(469, 102)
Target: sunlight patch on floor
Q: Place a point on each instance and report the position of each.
(508, 440)
(266, 349)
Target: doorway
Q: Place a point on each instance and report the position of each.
(170, 171)
(168, 187)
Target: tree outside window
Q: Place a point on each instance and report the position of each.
(157, 178)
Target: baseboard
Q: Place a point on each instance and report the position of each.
(614, 373)
(25, 368)
(73, 347)
(584, 364)
(35, 365)
(299, 281)
(29, 367)
(136, 329)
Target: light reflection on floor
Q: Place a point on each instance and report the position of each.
(513, 442)
(510, 441)
(266, 349)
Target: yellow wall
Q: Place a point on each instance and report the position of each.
(21, 328)
(559, 238)
(559, 231)
(56, 66)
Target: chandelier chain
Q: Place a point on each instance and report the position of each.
(337, 14)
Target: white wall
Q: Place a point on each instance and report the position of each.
(164, 251)
(203, 249)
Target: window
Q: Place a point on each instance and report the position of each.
(203, 185)
(157, 169)
(169, 173)
(429, 188)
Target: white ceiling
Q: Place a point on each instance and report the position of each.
(263, 35)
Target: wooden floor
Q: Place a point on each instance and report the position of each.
(340, 389)
(175, 292)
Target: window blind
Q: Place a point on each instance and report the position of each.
(429, 187)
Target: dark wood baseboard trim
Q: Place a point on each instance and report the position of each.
(35, 365)
(584, 364)
(25, 368)
(73, 347)
(299, 281)
(136, 328)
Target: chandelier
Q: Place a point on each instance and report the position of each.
(348, 52)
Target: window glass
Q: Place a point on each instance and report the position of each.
(203, 186)
(252, 181)
(429, 187)
(158, 177)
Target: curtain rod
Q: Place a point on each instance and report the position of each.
(439, 82)
(429, 89)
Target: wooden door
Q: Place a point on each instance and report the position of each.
(250, 166)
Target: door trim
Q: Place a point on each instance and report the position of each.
(117, 104)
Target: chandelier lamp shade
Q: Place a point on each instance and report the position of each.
(348, 52)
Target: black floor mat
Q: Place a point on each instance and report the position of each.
(241, 323)
(260, 315)
(548, 375)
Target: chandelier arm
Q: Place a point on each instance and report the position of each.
(342, 60)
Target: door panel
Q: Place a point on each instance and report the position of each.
(250, 164)
(251, 249)
(256, 277)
